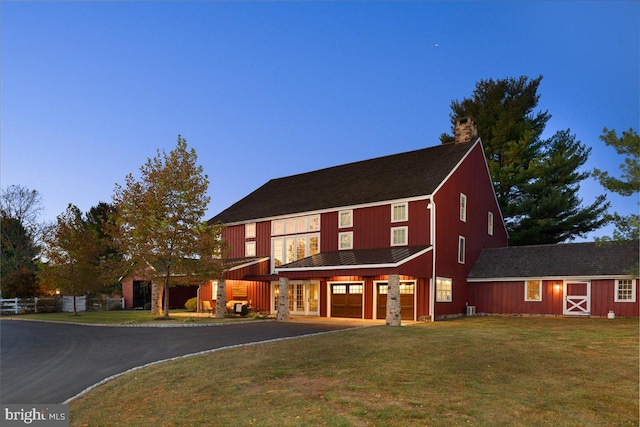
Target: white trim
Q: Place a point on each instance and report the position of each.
(436, 295)
(346, 282)
(463, 207)
(257, 261)
(354, 267)
(462, 250)
(406, 212)
(526, 290)
(247, 227)
(414, 282)
(490, 222)
(329, 210)
(576, 300)
(616, 289)
(406, 236)
(520, 279)
(345, 211)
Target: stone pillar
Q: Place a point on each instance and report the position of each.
(393, 301)
(283, 300)
(221, 300)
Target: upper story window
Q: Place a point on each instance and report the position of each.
(399, 212)
(250, 230)
(533, 290)
(461, 249)
(625, 291)
(463, 207)
(399, 236)
(250, 249)
(291, 248)
(345, 219)
(345, 240)
(490, 223)
(295, 225)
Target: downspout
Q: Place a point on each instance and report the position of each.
(432, 282)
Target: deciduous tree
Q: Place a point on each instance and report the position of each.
(159, 218)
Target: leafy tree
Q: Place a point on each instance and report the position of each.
(536, 180)
(19, 240)
(101, 220)
(628, 145)
(72, 252)
(160, 227)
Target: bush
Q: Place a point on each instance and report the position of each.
(191, 304)
(49, 305)
(147, 306)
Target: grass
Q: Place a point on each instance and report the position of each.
(478, 371)
(126, 317)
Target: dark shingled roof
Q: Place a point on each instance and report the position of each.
(414, 173)
(360, 257)
(569, 260)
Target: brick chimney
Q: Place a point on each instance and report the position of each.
(466, 130)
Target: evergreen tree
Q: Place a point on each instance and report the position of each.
(628, 145)
(536, 181)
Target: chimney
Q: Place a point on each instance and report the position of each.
(466, 130)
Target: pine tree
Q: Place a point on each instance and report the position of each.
(536, 181)
(628, 145)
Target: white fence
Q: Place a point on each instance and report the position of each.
(30, 305)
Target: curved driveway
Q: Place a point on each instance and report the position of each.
(51, 362)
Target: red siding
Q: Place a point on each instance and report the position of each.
(472, 179)
(603, 300)
(127, 293)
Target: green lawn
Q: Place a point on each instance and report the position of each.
(478, 371)
(126, 317)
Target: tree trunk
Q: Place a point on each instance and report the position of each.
(166, 295)
(75, 311)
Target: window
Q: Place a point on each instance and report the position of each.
(533, 290)
(250, 249)
(355, 289)
(214, 290)
(463, 207)
(625, 291)
(250, 230)
(345, 240)
(399, 212)
(461, 249)
(339, 289)
(345, 219)
(399, 236)
(291, 248)
(443, 290)
(296, 225)
(490, 223)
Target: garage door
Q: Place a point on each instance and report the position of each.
(346, 300)
(406, 300)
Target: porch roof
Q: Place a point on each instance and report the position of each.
(587, 259)
(355, 259)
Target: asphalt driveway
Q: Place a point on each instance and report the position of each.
(49, 363)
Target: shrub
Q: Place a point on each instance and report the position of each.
(191, 304)
(147, 306)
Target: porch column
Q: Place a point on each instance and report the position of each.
(221, 300)
(393, 301)
(283, 300)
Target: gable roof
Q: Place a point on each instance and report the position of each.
(390, 257)
(398, 176)
(555, 261)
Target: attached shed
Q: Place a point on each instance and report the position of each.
(574, 279)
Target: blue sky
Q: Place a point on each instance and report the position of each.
(261, 90)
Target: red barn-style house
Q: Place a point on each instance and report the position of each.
(343, 241)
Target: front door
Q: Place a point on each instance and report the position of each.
(303, 298)
(577, 298)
